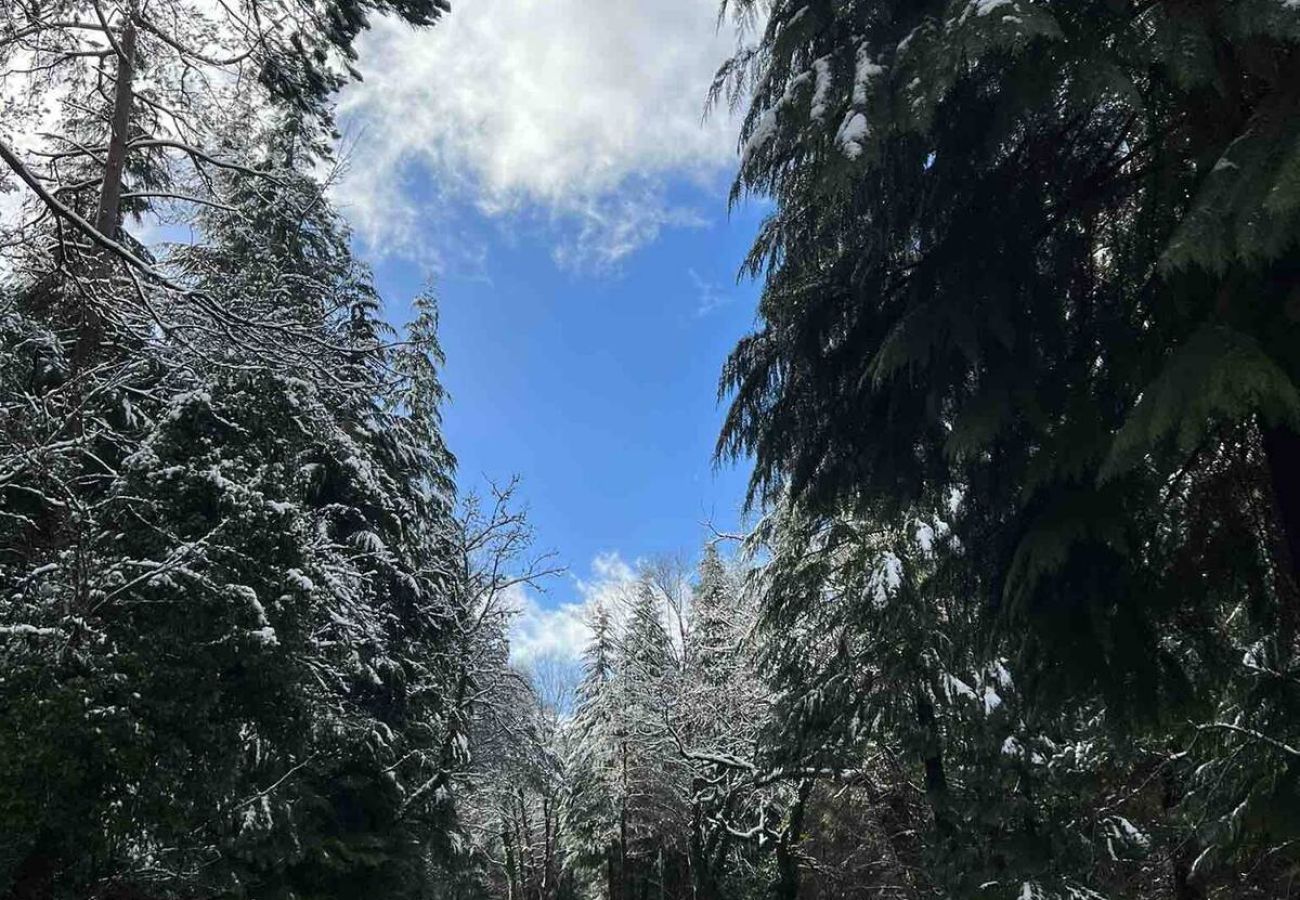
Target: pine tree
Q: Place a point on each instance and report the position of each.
(723, 709)
(294, 534)
(713, 621)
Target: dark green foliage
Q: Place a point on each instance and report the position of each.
(304, 67)
(1031, 280)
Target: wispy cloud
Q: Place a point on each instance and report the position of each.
(567, 115)
(708, 295)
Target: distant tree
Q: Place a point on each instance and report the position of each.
(594, 789)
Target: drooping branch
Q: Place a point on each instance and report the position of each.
(74, 218)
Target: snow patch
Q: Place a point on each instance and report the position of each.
(27, 630)
(866, 70)
(265, 636)
(954, 686)
(765, 130)
(300, 581)
(821, 88)
(852, 134)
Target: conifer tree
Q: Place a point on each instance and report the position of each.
(591, 809)
(237, 648)
(1030, 274)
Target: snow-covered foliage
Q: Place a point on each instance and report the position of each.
(662, 786)
(244, 633)
(232, 607)
(1021, 617)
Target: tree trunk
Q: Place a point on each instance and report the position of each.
(787, 861)
(527, 849)
(110, 194)
(1282, 450)
(622, 833)
(521, 858)
(547, 855)
(936, 781)
(609, 873)
(108, 216)
(698, 858)
(510, 863)
(536, 866)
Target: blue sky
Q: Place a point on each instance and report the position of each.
(548, 163)
(597, 388)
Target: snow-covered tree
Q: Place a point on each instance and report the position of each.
(144, 108)
(595, 795)
(244, 635)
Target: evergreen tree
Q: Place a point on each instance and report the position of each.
(724, 707)
(237, 649)
(1030, 274)
(713, 621)
(594, 791)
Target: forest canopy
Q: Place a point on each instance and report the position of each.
(1018, 615)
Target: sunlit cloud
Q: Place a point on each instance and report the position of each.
(555, 632)
(570, 116)
(561, 631)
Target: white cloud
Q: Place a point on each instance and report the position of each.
(610, 577)
(561, 632)
(569, 114)
(541, 633)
